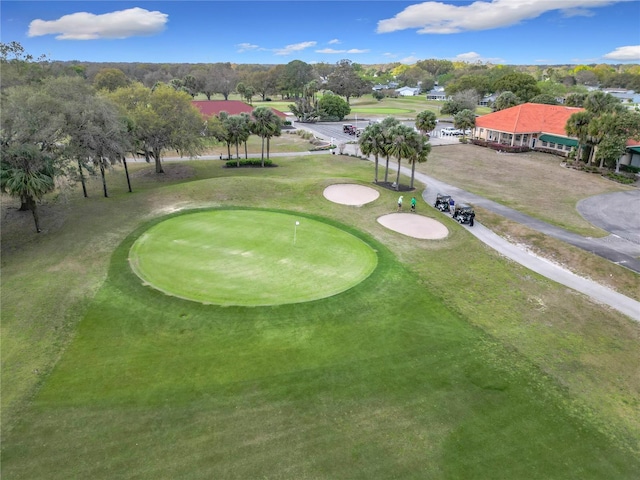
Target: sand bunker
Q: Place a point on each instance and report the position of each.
(414, 225)
(350, 194)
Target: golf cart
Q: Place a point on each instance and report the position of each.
(464, 214)
(442, 202)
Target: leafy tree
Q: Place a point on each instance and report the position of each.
(436, 67)
(610, 132)
(305, 110)
(221, 79)
(163, 119)
(264, 82)
(372, 143)
(506, 100)
(333, 107)
(480, 83)
(464, 120)
(19, 67)
(426, 121)
(465, 100)
(110, 79)
(346, 82)
(295, 75)
(378, 95)
(523, 85)
(575, 100)
(545, 99)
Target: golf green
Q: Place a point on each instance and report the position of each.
(250, 258)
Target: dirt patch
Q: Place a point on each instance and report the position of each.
(350, 194)
(415, 226)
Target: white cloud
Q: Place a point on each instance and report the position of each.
(333, 42)
(443, 18)
(410, 60)
(473, 57)
(296, 47)
(333, 50)
(625, 54)
(87, 26)
(243, 47)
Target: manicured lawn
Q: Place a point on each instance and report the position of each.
(447, 361)
(248, 257)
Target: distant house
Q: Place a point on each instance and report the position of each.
(379, 87)
(632, 156)
(408, 91)
(533, 125)
(437, 93)
(209, 108)
(624, 95)
(488, 100)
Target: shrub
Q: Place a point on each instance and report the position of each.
(620, 178)
(630, 168)
(249, 162)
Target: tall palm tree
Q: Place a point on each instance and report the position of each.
(401, 145)
(421, 150)
(371, 143)
(578, 126)
(28, 173)
(235, 132)
(387, 124)
(266, 124)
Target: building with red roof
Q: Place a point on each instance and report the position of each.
(209, 108)
(532, 125)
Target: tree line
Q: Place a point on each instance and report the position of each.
(54, 127)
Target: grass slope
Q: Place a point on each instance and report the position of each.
(447, 362)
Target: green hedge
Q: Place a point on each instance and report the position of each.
(253, 162)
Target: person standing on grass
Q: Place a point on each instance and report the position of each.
(413, 204)
(452, 205)
(400, 203)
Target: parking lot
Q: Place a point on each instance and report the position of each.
(335, 131)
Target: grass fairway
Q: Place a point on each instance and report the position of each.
(249, 257)
(446, 362)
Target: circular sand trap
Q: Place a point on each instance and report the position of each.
(414, 225)
(350, 194)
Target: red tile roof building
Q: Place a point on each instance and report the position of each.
(531, 124)
(209, 108)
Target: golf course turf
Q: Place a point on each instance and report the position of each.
(250, 258)
(436, 364)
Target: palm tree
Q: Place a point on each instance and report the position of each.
(464, 120)
(387, 124)
(401, 145)
(371, 142)
(266, 124)
(235, 131)
(426, 121)
(28, 173)
(578, 126)
(421, 150)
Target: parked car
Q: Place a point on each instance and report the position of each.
(347, 128)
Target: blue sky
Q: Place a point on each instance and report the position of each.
(366, 32)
